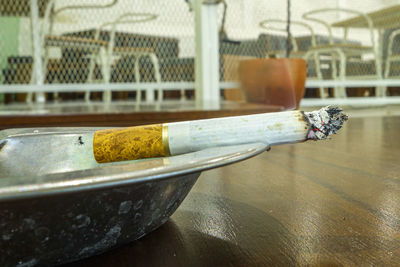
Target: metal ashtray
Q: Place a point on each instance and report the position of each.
(57, 204)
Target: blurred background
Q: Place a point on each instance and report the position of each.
(146, 52)
(106, 63)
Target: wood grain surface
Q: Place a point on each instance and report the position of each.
(330, 203)
(117, 114)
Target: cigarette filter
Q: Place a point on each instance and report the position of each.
(159, 140)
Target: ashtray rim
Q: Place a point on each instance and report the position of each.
(17, 187)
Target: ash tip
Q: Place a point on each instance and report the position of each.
(325, 122)
(336, 114)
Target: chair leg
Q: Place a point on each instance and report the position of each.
(315, 56)
(28, 98)
(149, 98)
(87, 96)
(106, 69)
(387, 68)
(157, 76)
(90, 78)
(40, 96)
(107, 96)
(45, 62)
(183, 95)
(380, 90)
(387, 72)
(342, 73)
(137, 79)
(334, 74)
(319, 74)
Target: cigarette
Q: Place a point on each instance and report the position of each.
(169, 139)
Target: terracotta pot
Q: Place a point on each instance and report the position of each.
(274, 81)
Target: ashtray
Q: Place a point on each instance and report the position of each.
(58, 205)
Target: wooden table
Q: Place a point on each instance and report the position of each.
(386, 18)
(118, 113)
(330, 203)
(383, 19)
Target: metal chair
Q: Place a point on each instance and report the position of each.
(345, 53)
(107, 60)
(48, 39)
(271, 24)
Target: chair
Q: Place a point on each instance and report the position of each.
(393, 55)
(271, 24)
(111, 51)
(345, 55)
(48, 39)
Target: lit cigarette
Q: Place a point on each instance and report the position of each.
(176, 138)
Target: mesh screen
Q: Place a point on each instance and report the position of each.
(130, 41)
(360, 53)
(106, 41)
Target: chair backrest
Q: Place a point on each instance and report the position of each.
(51, 13)
(315, 16)
(276, 25)
(126, 18)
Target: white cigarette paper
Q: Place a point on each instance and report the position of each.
(272, 128)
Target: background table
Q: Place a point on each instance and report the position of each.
(383, 19)
(322, 204)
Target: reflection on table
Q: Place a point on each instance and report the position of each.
(334, 203)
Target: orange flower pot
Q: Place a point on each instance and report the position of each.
(274, 81)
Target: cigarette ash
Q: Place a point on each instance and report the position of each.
(325, 122)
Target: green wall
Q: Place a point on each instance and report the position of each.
(9, 28)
